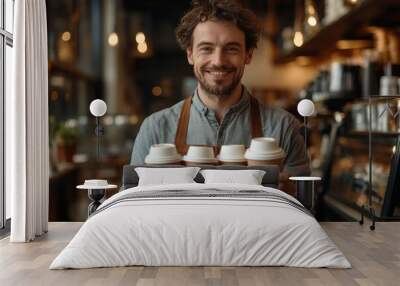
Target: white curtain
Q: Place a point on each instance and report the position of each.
(27, 151)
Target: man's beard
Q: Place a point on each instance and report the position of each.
(220, 91)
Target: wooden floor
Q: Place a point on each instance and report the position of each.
(375, 256)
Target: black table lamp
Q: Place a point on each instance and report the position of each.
(98, 108)
(96, 192)
(306, 186)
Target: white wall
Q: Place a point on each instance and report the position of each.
(261, 73)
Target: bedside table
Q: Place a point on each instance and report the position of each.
(96, 192)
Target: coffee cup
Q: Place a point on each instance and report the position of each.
(264, 151)
(161, 154)
(232, 155)
(200, 155)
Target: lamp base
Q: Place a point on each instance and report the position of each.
(371, 212)
(95, 195)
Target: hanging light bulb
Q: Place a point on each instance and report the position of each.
(66, 36)
(311, 14)
(312, 21)
(140, 37)
(298, 39)
(142, 48)
(113, 39)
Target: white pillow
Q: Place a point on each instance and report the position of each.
(248, 177)
(164, 176)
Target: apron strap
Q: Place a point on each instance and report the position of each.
(256, 126)
(183, 125)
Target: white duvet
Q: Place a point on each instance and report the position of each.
(200, 231)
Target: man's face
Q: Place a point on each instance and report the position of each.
(218, 56)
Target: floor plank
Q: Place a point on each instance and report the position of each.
(375, 257)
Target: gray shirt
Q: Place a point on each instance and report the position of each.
(235, 128)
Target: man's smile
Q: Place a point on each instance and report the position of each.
(220, 73)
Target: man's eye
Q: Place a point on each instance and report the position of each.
(206, 49)
(232, 50)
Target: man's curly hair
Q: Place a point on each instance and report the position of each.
(218, 10)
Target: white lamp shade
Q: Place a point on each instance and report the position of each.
(98, 107)
(306, 107)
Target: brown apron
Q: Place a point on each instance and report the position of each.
(183, 125)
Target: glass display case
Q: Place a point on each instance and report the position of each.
(348, 178)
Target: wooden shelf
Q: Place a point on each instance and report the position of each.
(365, 133)
(383, 97)
(323, 43)
(358, 140)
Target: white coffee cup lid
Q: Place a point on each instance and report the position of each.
(96, 184)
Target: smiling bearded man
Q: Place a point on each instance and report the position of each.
(218, 56)
(219, 37)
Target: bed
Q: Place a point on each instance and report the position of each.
(201, 224)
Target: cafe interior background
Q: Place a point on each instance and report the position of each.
(341, 54)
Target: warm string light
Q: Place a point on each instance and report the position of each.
(142, 48)
(311, 14)
(141, 42)
(66, 36)
(298, 39)
(140, 38)
(113, 39)
(312, 21)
